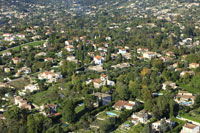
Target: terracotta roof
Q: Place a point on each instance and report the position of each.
(97, 81)
(98, 57)
(120, 103)
(190, 126)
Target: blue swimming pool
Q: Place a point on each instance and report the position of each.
(110, 113)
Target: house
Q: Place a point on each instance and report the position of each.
(127, 56)
(7, 69)
(122, 65)
(122, 51)
(72, 59)
(32, 87)
(102, 98)
(21, 103)
(170, 84)
(121, 104)
(102, 81)
(140, 117)
(41, 54)
(97, 68)
(193, 65)
(182, 74)
(149, 55)
(184, 98)
(48, 59)
(142, 50)
(156, 125)
(24, 70)
(190, 128)
(170, 53)
(6, 54)
(108, 38)
(49, 76)
(98, 83)
(10, 39)
(98, 60)
(7, 35)
(70, 48)
(16, 60)
(69, 42)
(52, 108)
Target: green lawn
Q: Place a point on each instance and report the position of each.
(192, 116)
(19, 84)
(48, 96)
(35, 43)
(103, 115)
(79, 108)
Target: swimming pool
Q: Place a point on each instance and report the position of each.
(110, 113)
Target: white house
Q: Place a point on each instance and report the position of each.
(31, 87)
(121, 104)
(122, 51)
(141, 117)
(69, 42)
(190, 128)
(149, 55)
(193, 65)
(49, 76)
(170, 84)
(98, 60)
(70, 48)
(6, 54)
(156, 125)
(184, 98)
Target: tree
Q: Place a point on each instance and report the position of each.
(89, 101)
(134, 88)
(147, 128)
(122, 90)
(197, 100)
(69, 111)
(164, 127)
(146, 94)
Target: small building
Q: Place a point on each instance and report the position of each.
(49, 76)
(122, 51)
(170, 84)
(121, 104)
(69, 42)
(103, 98)
(16, 60)
(149, 55)
(70, 48)
(7, 69)
(32, 87)
(157, 125)
(190, 128)
(24, 70)
(98, 83)
(98, 60)
(184, 98)
(48, 59)
(21, 103)
(140, 117)
(6, 54)
(193, 65)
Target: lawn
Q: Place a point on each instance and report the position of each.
(103, 115)
(19, 83)
(48, 96)
(124, 130)
(193, 115)
(189, 88)
(35, 43)
(79, 108)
